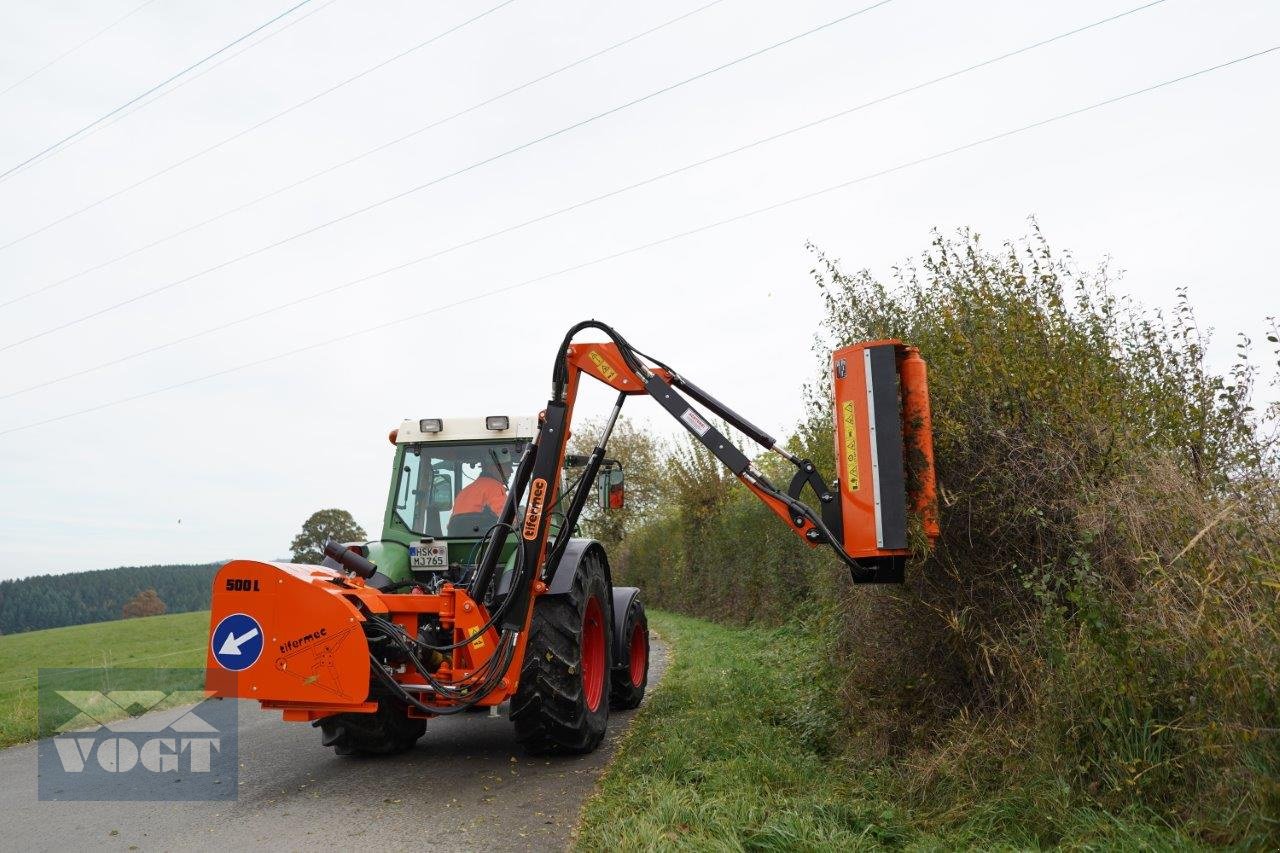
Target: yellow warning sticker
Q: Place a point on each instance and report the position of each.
(849, 425)
(478, 642)
(605, 368)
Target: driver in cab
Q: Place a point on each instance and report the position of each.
(479, 503)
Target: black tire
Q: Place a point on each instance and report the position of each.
(632, 674)
(388, 731)
(552, 709)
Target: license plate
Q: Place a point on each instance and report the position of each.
(429, 556)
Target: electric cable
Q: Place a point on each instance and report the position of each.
(435, 123)
(501, 609)
(400, 637)
(484, 539)
(507, 649)
(191, 78)
(439, 179)
(793, 200)
(263, 123)
(111, 26)
(467, 691)
(554, 213)
(69, 140)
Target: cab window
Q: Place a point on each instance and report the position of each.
(432, 476)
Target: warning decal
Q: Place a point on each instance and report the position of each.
(849, 427)
(313, 658)
(606, 369)
(695, 421)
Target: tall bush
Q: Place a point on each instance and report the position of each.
(1105, 584)
(1099, 624)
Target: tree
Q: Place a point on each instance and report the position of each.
(335, 524)
(643, 457)
(145, 603)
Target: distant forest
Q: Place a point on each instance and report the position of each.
(51, 601)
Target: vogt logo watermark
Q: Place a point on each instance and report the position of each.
(134, 734)
(198, 741)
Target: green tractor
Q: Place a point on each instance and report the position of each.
(449, 480)
(478, 593)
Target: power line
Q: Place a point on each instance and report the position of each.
(576, 206)
(136, 108)
(415, 189)
(266, 121)
(68, 140)
(143, 104)
(381, 147)
(52, 62)
(652, 244)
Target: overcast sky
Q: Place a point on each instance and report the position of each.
(1178, 186)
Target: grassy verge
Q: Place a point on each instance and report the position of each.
(735, 752)
(176, 640)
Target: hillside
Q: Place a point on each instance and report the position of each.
(174, 640)
(80, 598)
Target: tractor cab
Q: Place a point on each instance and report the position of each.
(449, 479)
(451, 476)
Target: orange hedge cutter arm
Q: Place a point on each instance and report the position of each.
(882, 430)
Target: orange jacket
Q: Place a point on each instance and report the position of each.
(484, 492)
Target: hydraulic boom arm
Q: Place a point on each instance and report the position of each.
(884, 455)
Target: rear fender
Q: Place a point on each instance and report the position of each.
(574, 553)
(624, 598)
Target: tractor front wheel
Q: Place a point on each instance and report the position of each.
(386, 732)
(632, 673)
(563, 701)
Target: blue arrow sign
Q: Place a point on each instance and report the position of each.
(237, 642)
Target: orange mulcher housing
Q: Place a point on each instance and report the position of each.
(315, 661)
(322, 627)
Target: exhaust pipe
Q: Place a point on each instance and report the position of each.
(349, 560)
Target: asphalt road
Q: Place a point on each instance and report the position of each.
(466, 786)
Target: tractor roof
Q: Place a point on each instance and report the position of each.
(465, 429)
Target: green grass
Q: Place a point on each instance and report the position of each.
(176, 640)
(734, 751)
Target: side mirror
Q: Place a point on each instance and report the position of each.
(441, 492)
(612, 488)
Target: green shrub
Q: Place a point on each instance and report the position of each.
(1098, 626)
(1104, 586)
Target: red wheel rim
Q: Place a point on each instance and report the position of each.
(593, 654)
(639, 655)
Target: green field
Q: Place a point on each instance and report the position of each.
(176, 640)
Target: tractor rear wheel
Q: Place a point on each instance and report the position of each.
(632, 673)
(563, 701)
(386, 732)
